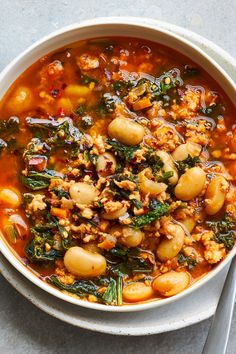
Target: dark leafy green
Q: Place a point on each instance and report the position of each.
(122, 151)
(136, 203)
(39, 180)
(212, 111)
(83, 219)
(44, 233)
(79, 287)
(34, 184)
(165, 176)
(61, 193)
(47, 174)
(123, 262)
(190, 262)
(122, 88)
(189, 162)
(7, 129)
(164, 83)
(35, 251)
(58, 132)
(190, 71)
(10, 126)
(160, 209)
(110, 294)
(224, 231)
(154, 161)
(86, 122)
(85, 79)
(107, 104)
(27, 198)
(227, 239)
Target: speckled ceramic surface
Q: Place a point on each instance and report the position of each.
(173, 316)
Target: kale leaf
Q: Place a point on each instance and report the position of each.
(222, 226)
(79, 287)
(227, 239)
(224, 231)
(58, 132)
(34, 184)
(43, 234)
(122, 151)
(47, 174)
(107, 104)
(154, 161)
(35, 250)
(85, 79)
(122, 88)
(122, 262)
(165, 83)
(9, 126)
(189, 162)
(60, 193)
(112, 295)
(152, 215)
(188, 261)
(136, 203)
(212, 111)
(190, 71)
(39, 180)
(165, 176)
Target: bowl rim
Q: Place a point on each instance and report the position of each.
(11, 255)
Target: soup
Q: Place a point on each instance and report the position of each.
(118, 161)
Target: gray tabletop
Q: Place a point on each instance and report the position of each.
(23, 327)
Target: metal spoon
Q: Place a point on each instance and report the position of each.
(217, 339)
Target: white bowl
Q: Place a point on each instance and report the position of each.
(107, 27)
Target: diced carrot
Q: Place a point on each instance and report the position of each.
(141, 104)
(106, 245)
(60, 213)
(116, 76)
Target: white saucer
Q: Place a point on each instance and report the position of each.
(194, 308)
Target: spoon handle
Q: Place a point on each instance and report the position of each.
(218, 335)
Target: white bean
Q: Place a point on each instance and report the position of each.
(106, 164)
(115, 214)
(170, 247)
(190, 184)
(21, 100)
(126, 131)
(146, 185)
(189, 223)
(136, 292)
(10, 197)
(83, 263)
(83, 193)
(168, 166)
(182, 151)
(171, 283)
(215, 195)
(128, 236)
